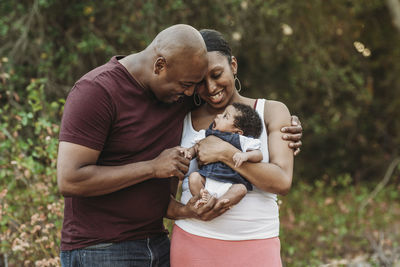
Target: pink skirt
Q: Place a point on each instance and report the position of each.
(189, 250)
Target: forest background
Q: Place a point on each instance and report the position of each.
(336, 64)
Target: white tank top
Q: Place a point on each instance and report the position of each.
(256, 216)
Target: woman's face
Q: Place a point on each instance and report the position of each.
(219, 87)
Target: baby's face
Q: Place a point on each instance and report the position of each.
(225, 122)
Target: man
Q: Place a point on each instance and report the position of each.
(117, 147)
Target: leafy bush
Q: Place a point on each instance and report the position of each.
(328, 222)
(31, 208)
(334, 64)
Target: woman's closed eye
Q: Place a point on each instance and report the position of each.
(216, 75)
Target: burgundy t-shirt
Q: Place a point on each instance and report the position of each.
(107, 110)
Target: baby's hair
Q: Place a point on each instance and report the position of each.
(248, 121)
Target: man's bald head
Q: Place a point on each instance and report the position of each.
(179, 42)
(173, 64)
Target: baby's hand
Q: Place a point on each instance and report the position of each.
(239, 158)
(186, 153)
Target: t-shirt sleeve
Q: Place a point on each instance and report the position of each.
(248, 143)
(88, 115)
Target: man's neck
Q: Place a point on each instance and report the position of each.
(136, 65)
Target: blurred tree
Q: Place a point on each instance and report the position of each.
(394, 8)
(334, 64)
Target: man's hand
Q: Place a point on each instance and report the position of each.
(171, 162)
(294, 134)
(210, 210)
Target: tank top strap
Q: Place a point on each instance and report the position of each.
(255, 104)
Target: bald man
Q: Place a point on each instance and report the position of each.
(120, 130)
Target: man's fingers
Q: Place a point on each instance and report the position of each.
(296, 145)
(209, 205)
(292, 129)
(297, 151)
(182, 167)
(184, 160)
(219, 208)
(295, 120)
(292, 137)
(222, 204)
(207, 211)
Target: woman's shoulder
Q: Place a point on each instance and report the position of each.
(275, 112)
(274, 105)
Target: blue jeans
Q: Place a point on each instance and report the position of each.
(153, 251)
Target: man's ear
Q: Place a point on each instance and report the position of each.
(159, 65)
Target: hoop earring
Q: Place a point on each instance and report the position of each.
(196, 99)
(236, 80)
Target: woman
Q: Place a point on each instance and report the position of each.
(246, 234)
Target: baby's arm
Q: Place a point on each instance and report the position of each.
(251, 156)
(190, 152)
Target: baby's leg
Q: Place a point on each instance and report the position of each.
(196, 183)
(235, 193)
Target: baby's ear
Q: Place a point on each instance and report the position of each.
(238, 131)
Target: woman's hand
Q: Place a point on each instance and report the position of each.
(294, 134)
(213, 149)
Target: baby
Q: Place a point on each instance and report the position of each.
(239, 125)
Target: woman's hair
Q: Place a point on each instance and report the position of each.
(216, 42)
(248, 121)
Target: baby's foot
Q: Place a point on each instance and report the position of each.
(205, 197)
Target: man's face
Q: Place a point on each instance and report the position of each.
(173, 82)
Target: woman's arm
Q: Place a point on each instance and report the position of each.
(275, 176)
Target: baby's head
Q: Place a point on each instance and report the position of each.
(239, 118)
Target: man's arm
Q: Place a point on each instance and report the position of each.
(78, 174)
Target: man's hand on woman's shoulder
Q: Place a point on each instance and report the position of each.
(293, 133)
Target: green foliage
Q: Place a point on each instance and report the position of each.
(336, 69)
(30, 205)
(323, 224)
